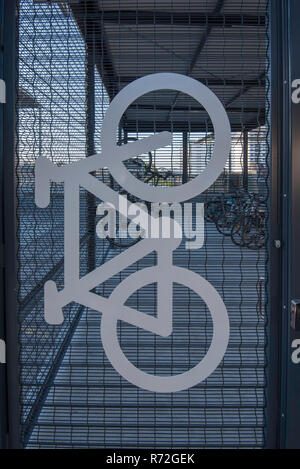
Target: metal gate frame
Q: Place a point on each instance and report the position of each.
(289, 167)
(9, 310)
(275, 250)
(282, 376)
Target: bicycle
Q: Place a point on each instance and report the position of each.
(248, 229)
(230, 210)
(165, 273)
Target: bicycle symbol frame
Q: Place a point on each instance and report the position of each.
(165, 273)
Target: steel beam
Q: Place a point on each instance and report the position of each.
(246, 87)
(196, 126)
(184, 157)
(245, 160)
(159, 107)
(274, 285)
(195, 18)
(86, 19)
(90, 144)
(200, 46)
(211, 81)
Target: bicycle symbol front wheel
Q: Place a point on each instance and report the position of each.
(184, 380)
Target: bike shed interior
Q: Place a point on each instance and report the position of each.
(73, 58)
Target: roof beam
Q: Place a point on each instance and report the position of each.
(93, 30)
(204, 37)
(200, 46)
(181, 126)
(255, 82)
(244, 88)
(153, 108)
(140, 17)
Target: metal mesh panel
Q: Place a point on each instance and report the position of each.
(73, 58)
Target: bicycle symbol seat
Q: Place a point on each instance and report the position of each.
(165, 273)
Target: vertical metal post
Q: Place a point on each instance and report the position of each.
(184, 157)
(125, 135)
(290, 409)
(275, 254)
(3, 395)
(9, 227)
(90, 140)
(120, 134)
(245, 160)
(284, 379)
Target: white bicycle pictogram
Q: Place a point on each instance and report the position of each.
(165, 273)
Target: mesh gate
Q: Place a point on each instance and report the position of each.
(73, 58)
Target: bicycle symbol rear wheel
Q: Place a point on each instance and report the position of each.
(177, 382)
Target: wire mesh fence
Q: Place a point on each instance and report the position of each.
(73, 58)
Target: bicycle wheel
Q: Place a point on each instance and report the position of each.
(175, 82)
(177, 382)
(256, 234)
(224, 224)
(258, 241)
(125, 243)
(239, 232)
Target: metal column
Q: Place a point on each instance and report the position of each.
(274, 306)
(90, 140)
(290, 411)
(184, 157)
(245, 160)
(3, 394)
